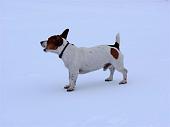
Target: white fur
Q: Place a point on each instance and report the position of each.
(83, 60)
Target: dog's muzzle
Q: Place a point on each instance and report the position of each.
(43, 43)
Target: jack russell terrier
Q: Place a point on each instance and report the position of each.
(83, 60)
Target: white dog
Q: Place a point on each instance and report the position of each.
(83, 60)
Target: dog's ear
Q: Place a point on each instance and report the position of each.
(65, 33)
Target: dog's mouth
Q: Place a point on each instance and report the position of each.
(44, 44)
(45, 50)
(48, 47)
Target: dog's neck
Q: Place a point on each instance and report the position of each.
(68, 53)
(67, 50)
(61, 48)
(61, 54)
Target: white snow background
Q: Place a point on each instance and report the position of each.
(31, 81)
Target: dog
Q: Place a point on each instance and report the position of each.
(81, 60)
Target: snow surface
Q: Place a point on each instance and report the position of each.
(31, 81)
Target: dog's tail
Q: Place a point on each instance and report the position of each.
(117, 41)
(118, 38)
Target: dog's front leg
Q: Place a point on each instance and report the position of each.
(72, 80)
(67, 86)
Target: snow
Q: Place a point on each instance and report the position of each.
(31, 81)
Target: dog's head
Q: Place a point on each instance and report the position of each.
(54, 42)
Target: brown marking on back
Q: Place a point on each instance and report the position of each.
(114, 53)
(54, 42)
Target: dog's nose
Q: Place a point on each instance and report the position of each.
(41, 42)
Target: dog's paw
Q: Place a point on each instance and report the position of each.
(70, 89)
(123, 82)
(66, 87)
(108, 79)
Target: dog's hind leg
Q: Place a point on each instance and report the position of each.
(119, 66)
(124, 72)
(112, 70)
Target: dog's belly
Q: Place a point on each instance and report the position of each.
(81, 71)
(92, 59)
(87, 70)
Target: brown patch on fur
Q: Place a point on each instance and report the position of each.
(107, 66)
(114, 53)
(54, 42)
